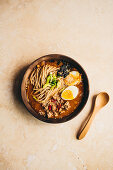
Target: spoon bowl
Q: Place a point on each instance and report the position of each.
(101, 99)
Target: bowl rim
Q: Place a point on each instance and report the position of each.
(85, 82)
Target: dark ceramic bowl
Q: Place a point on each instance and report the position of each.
(85, 83)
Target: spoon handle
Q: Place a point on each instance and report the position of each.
(86, 125)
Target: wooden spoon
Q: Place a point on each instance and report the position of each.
(101, 100)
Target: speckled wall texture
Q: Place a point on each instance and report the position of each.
(82, 30)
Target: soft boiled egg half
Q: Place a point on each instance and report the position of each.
(73, 78)
(70, 93)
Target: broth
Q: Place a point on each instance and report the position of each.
(38, 107)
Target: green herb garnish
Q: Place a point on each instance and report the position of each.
(52, 81)
(34, 98)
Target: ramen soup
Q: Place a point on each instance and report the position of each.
(54, 89)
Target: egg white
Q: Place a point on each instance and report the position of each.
(74, 91)
(73, 72)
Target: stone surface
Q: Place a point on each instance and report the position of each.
(82, 30)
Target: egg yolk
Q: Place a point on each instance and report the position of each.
(67, 94)
(72, 79)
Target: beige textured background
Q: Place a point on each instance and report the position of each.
(82, 30)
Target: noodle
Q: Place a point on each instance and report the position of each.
(32, 78)
(38, 79)
(41, 94)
